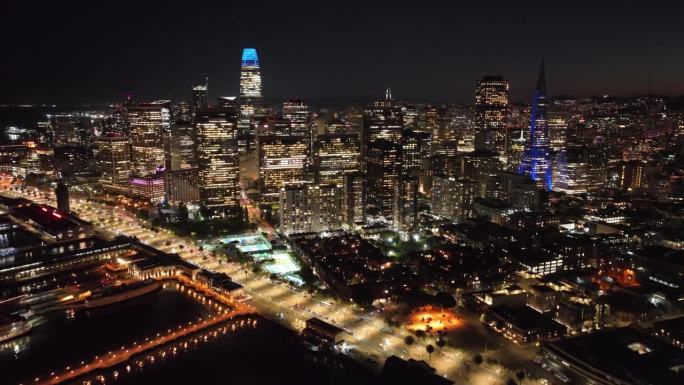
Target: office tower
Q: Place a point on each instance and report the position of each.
(218, 161)
(383, 168)
(580, 170)
(114, 159)
(250, 74)
(334, 156)
(62, 197)
(182, 112)
(415, 151)
(491, 108)
(632, 175)
(180, 143)
(228, 102)
(64, 130)
(297, 113)
(452, 198)
(558, 131)
(149, 187)
(437, 123)
(382, 120)
(182, 185)
(337, 125)
(405, 205)
(354, 205)
(148, 124)
(536, 159)
(249, 100)
(307, 207)
(282, 159)
(200, 96)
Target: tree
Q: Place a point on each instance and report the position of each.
(430, 349)
(182, 212)
(441, 343)
(478, 359)
(520, 375)
(511, 382)
(408, 340)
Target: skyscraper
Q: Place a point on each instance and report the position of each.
(62, 197)
(334, 156)
(536, 159)
(114, 159)
(383, 119)
(491, 106)
(200, 96)
(384, 166)
(250, 74)
(218, 160)
(148, 124)
(282, 159)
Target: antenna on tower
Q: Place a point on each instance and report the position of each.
(388, 93)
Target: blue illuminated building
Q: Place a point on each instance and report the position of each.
(536, 159)
(250, 75)
(250, 58)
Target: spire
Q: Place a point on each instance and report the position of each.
(541, 80)
(388, 93)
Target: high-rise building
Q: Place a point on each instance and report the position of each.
(250, 74)
(297, 113)
(383, 163)
(200, 96)
(335, 155)
(536, 159)
(182, 185)
(308, 207)
(580, 170)
(384, 120)
(405, 205)
(249, 100)
(218, 160)
(114, 159)
(282, 159)
(354, 205)
(415, 151)
(62, 197)
(491, 106)
(452, 198)
(148, 124)
(632, 175)
(180, 143)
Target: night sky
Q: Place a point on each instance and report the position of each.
(86, 52)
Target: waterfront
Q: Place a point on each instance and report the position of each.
(66, 338)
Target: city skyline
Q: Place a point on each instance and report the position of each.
(161, 56)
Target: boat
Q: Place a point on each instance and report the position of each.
(13, 327)
(124, 292)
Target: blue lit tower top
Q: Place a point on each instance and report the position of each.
(250, 58)
(536, 160)
(250, 75)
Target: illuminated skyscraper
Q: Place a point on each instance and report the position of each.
(354, 205)
(297, 113)
(335, 155)
(491, 106)
(218, 160)
(200, 96)
(250, 74)
(405, 205)
(282, 159)
(148, 124)
(384, 119)
(536, 159)
(384, 166)
(114, 159)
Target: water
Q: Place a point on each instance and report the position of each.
(262, 354)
